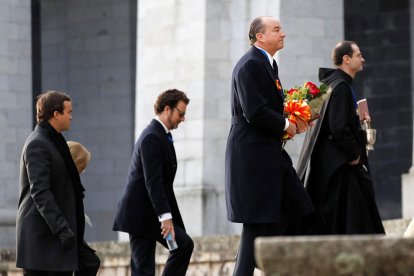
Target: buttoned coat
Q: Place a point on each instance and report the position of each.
(260, 182)
(46, 206)
(148, 191)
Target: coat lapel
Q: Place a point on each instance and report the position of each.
(271, 73)
(170, 147)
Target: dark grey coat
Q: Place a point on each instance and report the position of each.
(46, 206)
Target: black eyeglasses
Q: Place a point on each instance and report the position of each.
(181, 113)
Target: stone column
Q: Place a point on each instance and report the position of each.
(15, 106)
(407, 187)
(88, 51)
(312, 30)
(193, 46)
(171, 53)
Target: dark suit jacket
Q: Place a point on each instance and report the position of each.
(149, 192)
(46, 206)
(256, 165)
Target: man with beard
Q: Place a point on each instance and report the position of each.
(148, 209)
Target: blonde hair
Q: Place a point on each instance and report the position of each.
(80, 155)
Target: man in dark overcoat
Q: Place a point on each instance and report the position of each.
(262, 189)
(50, 220)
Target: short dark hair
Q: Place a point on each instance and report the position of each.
(343, 48)
(49, 102)
(256, 27)
(171, 98)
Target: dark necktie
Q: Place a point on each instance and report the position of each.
(169, 137)
(275, 68)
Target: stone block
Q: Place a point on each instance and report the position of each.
(300, 26)
(186, 150)
(335, 255)
(4, 13)
(296, 8)
(328, 9)
(396, 227)
(193, 172)
(7, 236)
(407, 192)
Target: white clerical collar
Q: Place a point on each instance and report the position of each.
(269, 57)
(165, 128)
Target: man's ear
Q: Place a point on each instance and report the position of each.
(55, 114)
(346, 58)
(167, 108)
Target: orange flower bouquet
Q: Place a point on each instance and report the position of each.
(303, 102)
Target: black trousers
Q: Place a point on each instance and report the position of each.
(143, 254)
(89, 264)
(245, 262)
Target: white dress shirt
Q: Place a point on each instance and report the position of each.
(164, 216)
(270, 58)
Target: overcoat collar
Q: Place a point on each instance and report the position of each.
(272, 74)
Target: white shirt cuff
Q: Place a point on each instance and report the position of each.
(164, 216)
(286, 124)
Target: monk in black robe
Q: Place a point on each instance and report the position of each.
(333, 162)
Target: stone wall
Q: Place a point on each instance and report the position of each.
(312, 29)
(201, 42)
(382, 30)
(15, 106)
(212, 256)
(88, 51)
(407, 188)
(367, 255)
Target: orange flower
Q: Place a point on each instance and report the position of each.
(296, 109)
(299, 109)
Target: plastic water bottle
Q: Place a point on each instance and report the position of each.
(172, 244)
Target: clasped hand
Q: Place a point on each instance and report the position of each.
(300, 127)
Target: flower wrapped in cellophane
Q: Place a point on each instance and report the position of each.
(303, 102)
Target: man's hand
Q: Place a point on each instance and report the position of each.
(291, 130)
(302, 126)
(366, 118)
(354, 162)
(167, 226)
(67, 238)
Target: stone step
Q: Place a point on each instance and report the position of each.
(335, 255)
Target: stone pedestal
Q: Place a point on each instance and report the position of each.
(335, 255)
